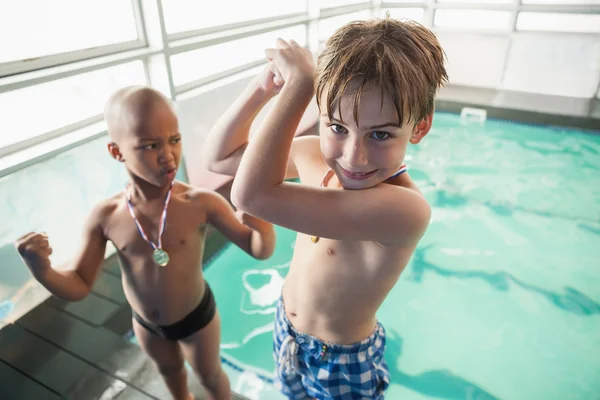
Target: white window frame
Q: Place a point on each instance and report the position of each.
(38, 63)
(155, 47)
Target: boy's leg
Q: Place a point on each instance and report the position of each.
(168, 359)
(202, 351)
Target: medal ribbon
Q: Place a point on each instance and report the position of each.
(162, 222)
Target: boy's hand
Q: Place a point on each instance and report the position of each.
(262, 239)
(270, 80)
(292, 60)
(35, 250)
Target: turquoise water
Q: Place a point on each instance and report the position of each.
(502, 297)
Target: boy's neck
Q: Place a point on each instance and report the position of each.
(145, 192)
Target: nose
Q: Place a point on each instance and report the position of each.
(355, 154)
(167, 155)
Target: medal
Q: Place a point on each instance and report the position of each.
(159, 255)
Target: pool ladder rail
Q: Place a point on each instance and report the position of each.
(471, 114)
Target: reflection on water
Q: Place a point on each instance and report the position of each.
(571, 300)
(439, 383)
(514, 188)
(262, 288)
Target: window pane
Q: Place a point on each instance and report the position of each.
(329, 25)
(337, 3)
(39, 109)
(532, 21)
(477, 1)
(197, 64)
(471, 19)
(33, 28)
(187, 15)
(584, 2)
(414, 14)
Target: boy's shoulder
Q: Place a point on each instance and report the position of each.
(190, 193)
(104, 209)
(306, 144)
(306, 149)
(415, 212)
(198, 198)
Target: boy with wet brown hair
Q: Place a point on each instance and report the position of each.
(358, 215)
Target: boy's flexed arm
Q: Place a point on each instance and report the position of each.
(223, 149)
(385, 213)
(254, 236)
(73, 284)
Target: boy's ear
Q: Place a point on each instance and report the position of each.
(114, 151)
(421, 129)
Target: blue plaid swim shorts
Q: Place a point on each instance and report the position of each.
(307, 367)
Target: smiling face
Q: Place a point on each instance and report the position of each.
(145, 135)
(367, 150)
(376, 81)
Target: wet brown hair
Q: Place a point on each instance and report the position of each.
(402, 57)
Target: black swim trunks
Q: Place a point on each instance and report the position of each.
(192, 323)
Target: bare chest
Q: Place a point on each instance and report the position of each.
(183, 231)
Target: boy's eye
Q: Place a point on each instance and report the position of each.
(380, 135)
(149, 146)
(176, 140)
(338, 128)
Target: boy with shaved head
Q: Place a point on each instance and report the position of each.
(157, 225)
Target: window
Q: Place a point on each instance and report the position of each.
(31, 29)
(414, 14)
(39, 109)
(188, 15)
(533, 21)
(570, 2)
(477, 1)
(329, 25)
(472, 19)
(337, 3)
(205, 62)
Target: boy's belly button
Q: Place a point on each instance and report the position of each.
(330, 251)
(155, 314)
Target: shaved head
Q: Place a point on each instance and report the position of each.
(128, 109)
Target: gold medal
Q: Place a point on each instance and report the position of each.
(161, 257)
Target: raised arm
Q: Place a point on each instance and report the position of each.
(76, 283)
(385, 213)
(223, 149)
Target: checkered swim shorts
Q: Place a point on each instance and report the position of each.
(307, 367)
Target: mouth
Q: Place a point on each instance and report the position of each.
(170, 173)
(359, 176)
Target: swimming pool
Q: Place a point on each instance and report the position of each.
(501, 299)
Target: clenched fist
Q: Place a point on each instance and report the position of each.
(35, 250)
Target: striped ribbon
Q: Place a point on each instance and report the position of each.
(402, 169)
(162, 223)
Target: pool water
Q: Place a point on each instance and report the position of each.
(502, 297)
